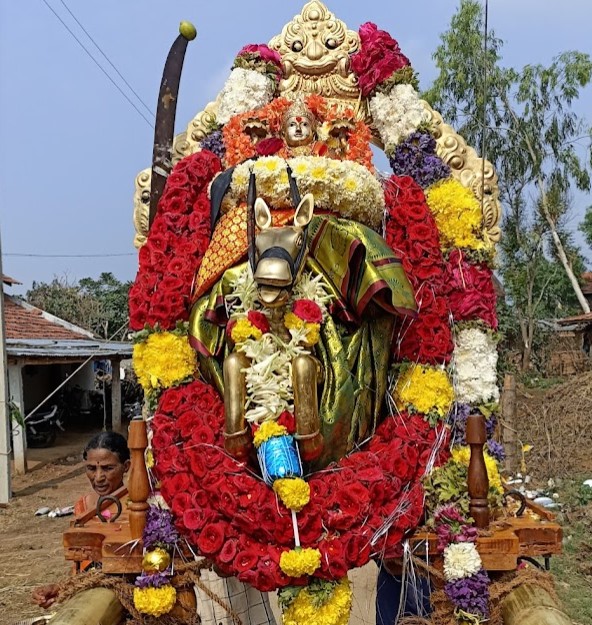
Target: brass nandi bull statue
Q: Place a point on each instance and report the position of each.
(277, 257)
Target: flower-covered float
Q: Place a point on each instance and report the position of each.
(314, 336)
(296, 306)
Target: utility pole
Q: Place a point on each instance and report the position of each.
(5, 425)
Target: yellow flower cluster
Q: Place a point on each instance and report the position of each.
(345, 187)
(267, 430)
(462, 455)
(426, 389)
(298, 562)
(243, 329)
(457, 213)
(335, 611)
(312, 330)
(155, 601)
(294, 492)
(162, 360)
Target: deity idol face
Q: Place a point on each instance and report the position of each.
(298, 131)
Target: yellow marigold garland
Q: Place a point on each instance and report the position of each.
(155, 601)
(163, 360)
(425, 389)
(334, 611)
(462, 455)
(342, 186)
(293, 322)
(294, 492)
(267, 430)
(243, 329)
(457, 213)
(298, 562)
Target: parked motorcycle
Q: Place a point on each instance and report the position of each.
(42, 427)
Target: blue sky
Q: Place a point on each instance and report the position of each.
(70, 144)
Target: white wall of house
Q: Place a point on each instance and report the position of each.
(85, 378)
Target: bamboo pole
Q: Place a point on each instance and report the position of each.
(95, 606)
(532, 605)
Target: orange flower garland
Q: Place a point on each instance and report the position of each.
(239, 146)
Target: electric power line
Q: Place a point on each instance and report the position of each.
(98, 64)
(98, 47)
(23, 255)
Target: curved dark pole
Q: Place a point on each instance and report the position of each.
(251, 197)
(164, 129)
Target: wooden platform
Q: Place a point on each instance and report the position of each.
(112, 544)
(118, 545)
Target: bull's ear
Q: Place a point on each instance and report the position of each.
(303, 213)
(262, 214)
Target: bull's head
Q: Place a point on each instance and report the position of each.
(280, 253)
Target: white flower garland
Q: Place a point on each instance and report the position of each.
(269, 377)
(345, 187)
(397, 114)
(475, 363)
(461, 560)
(245, 90)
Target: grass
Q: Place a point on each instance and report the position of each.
(573, 569)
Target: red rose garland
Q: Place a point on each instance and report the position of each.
(178, 239)
(233, 517)
(472, 294)
(411, 232)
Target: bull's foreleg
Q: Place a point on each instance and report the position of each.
(306, 375)
(237, 439)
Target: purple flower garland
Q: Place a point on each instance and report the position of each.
(214, 143)
(470, 594)
(416, 157)
(159, 530)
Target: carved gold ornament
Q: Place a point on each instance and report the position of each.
(141, 207)
(142, 190)
(315, 49)
(468, 168)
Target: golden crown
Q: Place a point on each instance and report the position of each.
(299, 109)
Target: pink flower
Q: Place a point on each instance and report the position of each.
(269, 146)
(265, 52)
(307, 310)
(379, 57)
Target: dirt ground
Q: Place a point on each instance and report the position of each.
(31, 552)
(31, 547)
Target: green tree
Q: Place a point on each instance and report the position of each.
(99, 306)
(533, 278)
(586, 226)
(539, 147)
(112, 295)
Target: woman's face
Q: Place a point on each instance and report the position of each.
(104, 470)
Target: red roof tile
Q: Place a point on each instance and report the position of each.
(24, 321)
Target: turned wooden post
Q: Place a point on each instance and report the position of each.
(138, 485)
(478, 481)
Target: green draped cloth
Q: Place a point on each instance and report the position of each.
(370, 289)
